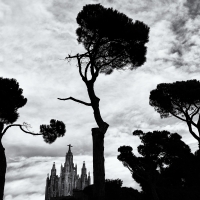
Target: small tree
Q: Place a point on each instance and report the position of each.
(159, 149)
(11, 100)
(111, 41)
(180, 99)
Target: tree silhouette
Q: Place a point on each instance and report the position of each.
(159, 150)
(114, 190)
(180, 99)
(111, 41)
(11, 100)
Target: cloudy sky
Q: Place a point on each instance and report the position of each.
(36, 36)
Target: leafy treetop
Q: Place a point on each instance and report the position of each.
(52, 131)
(162, 147)
(11, 99)
(111, 39)
(159, 151)
(178, 98)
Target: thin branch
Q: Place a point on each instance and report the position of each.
(86, 69)
(79, 101)
(195, 112)
(188, 108)
(75, 56)
(179, 107)
(79, 66)
(91, 64)
(192, 132)
(189, 119)
(127, 165)
(178, 117)
(21, 127)
(116, 57)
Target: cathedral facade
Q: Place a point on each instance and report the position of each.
(63, 185)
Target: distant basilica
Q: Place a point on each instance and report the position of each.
(63, 186)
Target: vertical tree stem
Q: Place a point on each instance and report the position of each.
(2, 170)
(98, 164)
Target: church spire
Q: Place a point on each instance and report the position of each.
(84, 170)
(69, 147)
(69, 159)
(54, 167)
(53, 170)
(89, 179)
(83, 164)
(69, 153)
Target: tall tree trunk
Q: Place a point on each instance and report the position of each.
(98, 164)
(2, 170)
(98, 146)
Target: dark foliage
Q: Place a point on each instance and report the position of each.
(181, 100)
(166, 163)
(176, 98)
(11, 99)
(52, 131)
(111, 38)
(113, 184)
(162, 147)
(115, 191)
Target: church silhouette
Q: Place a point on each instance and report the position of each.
(63, 185)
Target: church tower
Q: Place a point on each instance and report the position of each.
(69, 156)
(69, 173)
(83, 176)
(53, 170)
(69, 179)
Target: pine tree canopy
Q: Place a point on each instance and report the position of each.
(11, 99)
(112, 40)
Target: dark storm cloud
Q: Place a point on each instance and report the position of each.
(193, 8)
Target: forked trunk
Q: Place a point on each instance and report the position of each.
(98, 164)
(2, 170)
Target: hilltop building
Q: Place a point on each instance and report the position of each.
(63, 185)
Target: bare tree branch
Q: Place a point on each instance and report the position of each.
(196, 111)
(86, 70)
(189, 119)
(21, 127)
(75, 56)
(193, 113)
(178, 117)
(187, 109)
(79, 66)
(79, 101)
(192, 132)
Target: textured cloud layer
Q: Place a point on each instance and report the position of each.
(37, 35)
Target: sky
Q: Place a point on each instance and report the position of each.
(36, 36)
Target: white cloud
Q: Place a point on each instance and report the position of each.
(35, 36)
